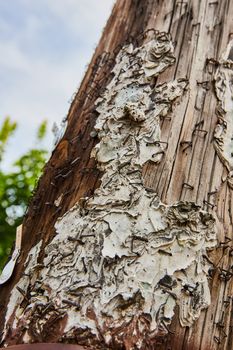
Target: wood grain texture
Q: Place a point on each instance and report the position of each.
(201, 30)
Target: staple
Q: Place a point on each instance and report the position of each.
(110, 63)
(166, 327)
(185, 184)
(126, 139)
(49, 204)
(64, 175)
(75, 293)
(57, 211)
(131, 246)
(138, 238)
(209, 204)
(217, 339)
(74, 138)
(59, 170)
(227, 240)
(227, 302)
(209, 261)
(212, 61)
(66, 255)
(212, 193)
(87, 170)
(75, 161)
(53, 184)
(197, 108)
(218, 24)
(224, 333)
(107, 183)
(163, 36)
(67, 174)
(102, 91)
(137, 73)
(140, 33)
(161, 142)
(132, 171)
(189, 288)
(25, 274)
(213, 3)
(196, 127)
(157, 153)
(168, 13)
(84, 265)
(67, 193)
(20, 290)
(205, 132)
(219, 325)
(201, 122)
(159, 100)
(164, 252)
(91, 235)
(225, 275)
(129, 39)
(150, 189)
(155, 32)
(122, 71)
(94, 68)
(117, 49)
(72, 303)
(205, 84)
(72, 239)
(123, 165)
(188, 143)
(49, 306)
(231, 252)
(109, 263)
(105, 56)
(98, 60)
(222, 318)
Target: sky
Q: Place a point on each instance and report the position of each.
(45, 48)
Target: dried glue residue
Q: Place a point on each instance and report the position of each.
(223, 135)
(122, 260)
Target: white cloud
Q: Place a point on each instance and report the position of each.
(44, 59)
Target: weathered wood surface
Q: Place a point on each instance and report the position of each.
(201, 31)
(45, 346)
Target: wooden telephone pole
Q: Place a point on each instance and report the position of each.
(127, 243)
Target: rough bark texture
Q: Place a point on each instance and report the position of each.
(182, 104)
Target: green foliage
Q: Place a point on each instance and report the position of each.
(42, 130)
(17, 185)
(6, 131)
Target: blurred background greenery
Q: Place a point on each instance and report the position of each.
(17, 184)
